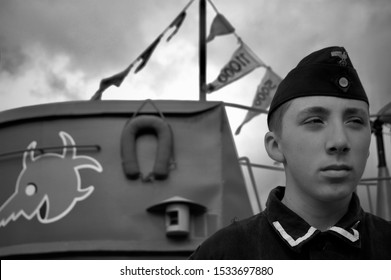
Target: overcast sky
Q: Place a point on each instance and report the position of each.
(59, 50)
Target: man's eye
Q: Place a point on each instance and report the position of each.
(356, 121)
(313, 121)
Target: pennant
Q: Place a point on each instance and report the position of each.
(115, 80)
(385, 114)
(146, 55)
(265, 92)
(242, 62)
(177, 23)
(220, 26)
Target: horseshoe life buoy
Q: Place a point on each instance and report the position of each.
(144, 125)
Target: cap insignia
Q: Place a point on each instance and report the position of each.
(342, 55)
(343, 82)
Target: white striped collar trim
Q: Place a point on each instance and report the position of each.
(352, 237)
(289, 238)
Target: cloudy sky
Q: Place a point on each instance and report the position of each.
(59, 50)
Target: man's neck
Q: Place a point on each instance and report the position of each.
(320, 215)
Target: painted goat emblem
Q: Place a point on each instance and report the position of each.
(49, 185)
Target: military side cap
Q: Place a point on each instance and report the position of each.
(327, 72)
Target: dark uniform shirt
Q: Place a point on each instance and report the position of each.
(278, 233)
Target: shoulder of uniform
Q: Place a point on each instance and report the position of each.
(228, 240)
(376, 225)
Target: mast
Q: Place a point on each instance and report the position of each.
(383, 207)
(202, 50)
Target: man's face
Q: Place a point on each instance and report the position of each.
(325, 143)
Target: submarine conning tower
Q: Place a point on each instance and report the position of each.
(130, 179)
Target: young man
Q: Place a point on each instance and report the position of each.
(320, 130)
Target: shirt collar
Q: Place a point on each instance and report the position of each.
(296, 232)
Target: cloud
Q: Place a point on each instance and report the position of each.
(61, 27)
(96, 35)
(12, 59)
(100, 38)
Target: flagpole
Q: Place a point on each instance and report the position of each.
(383, 207)
(202, 51)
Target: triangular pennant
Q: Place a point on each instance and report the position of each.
(242, 62)
(177, 23)
(264, 95)
(115, 80)
(385, 114)
(220, 26)
(145, 56)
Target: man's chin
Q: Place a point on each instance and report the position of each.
(335, 193)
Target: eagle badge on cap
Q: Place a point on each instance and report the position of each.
(342, 55)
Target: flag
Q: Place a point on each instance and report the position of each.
(385, 114)
(242, 62)
(145, 56)
(220, 26)
(115, 80)
(177, 23)
(264, 95)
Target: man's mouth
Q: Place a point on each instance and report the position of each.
(336, 170)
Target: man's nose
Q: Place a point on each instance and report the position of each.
(338, 140)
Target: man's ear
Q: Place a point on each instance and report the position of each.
(273, 148)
